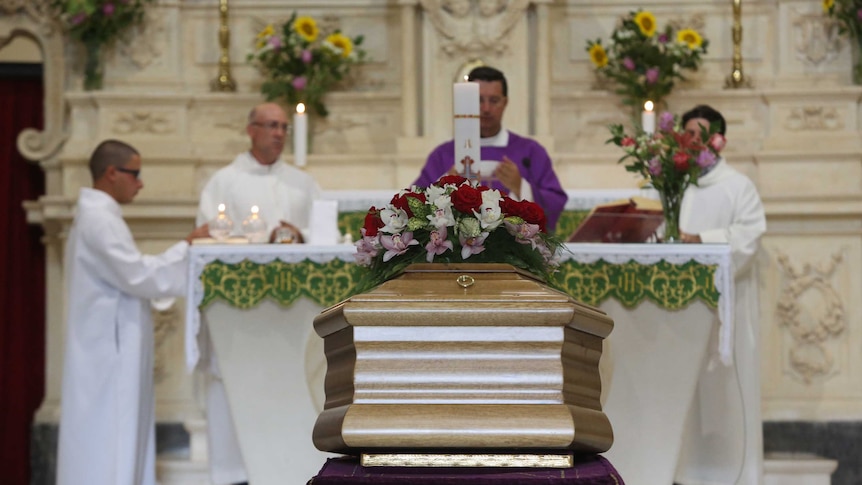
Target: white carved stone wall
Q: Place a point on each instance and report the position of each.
(796, 133)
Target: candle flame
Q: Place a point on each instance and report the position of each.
(300, 108)
(649, 106)
(221, 207)
(466, 78)
(254, 209)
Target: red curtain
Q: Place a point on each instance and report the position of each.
(22, 277)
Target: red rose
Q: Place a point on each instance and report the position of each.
(508, 207)
(373, 222)
(627, 141)
(680, 161)
(466, 199)
(532, 213)
(529, 211)
(400, 201)
(450, 179)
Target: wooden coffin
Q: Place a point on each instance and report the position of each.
(466, 358)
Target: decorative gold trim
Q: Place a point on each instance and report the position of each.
(468, 460)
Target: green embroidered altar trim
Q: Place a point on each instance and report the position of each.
(673, 287)
(351, 222)
(246, 284)
(670, 286)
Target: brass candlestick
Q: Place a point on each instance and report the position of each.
(224, 82)
(736, 79)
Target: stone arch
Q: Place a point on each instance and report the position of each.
(34, 19)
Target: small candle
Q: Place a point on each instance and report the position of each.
(465, 102)
(221, 209)
(648, 118)
(300, 136)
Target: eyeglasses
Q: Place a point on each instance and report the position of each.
(272, 125)
(132, 172)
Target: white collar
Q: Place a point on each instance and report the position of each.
(501, 139)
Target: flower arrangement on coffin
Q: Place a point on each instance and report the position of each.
(96, 24)
(455, 221)
(848, 16)
(644, 62)
(302, 62)
(669, 160)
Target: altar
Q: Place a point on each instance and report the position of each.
(258, 302)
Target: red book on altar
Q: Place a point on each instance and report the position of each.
(632, 220)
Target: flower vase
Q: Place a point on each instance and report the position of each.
(856, 59)
(93, 67)
(671, 204)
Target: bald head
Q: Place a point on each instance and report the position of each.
(267, 129)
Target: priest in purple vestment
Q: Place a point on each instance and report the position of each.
(524, 170)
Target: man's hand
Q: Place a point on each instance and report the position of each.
(509, 175)
(452, 171)
(689, 238)
(199, 232)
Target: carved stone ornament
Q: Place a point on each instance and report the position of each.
(811, 311)
(814, 118)
(34, 18)
(474, 27)
(816, 38)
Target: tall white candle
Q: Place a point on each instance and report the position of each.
(465, 103)
(648, 118)
(300, 136)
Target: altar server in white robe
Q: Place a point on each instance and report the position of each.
(723, 442)
(284, 195)
(107, 419)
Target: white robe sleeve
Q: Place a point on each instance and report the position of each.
(746, 227)
(117, 260)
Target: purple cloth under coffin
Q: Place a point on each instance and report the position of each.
(588, 470)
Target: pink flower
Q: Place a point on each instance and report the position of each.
(662, 38)
(78, 18)
(397, 244)
(108, 9)
(472, 245)
(654, 167)
(524, 233)
(306, 56)
(665, 121)
(438, 243)
(652, 75)
(366, 249)
(275, 42)
(627, 141)
(629, 64)
(717, 141)
(299, 83)
(706, 159)
(859, 14)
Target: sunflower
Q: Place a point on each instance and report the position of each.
(598, 55)
(306, 27)
(690, 37)
(342, 42)
(827, 5)
(263, 35)
(646, 23)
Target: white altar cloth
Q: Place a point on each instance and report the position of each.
(650, 364)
